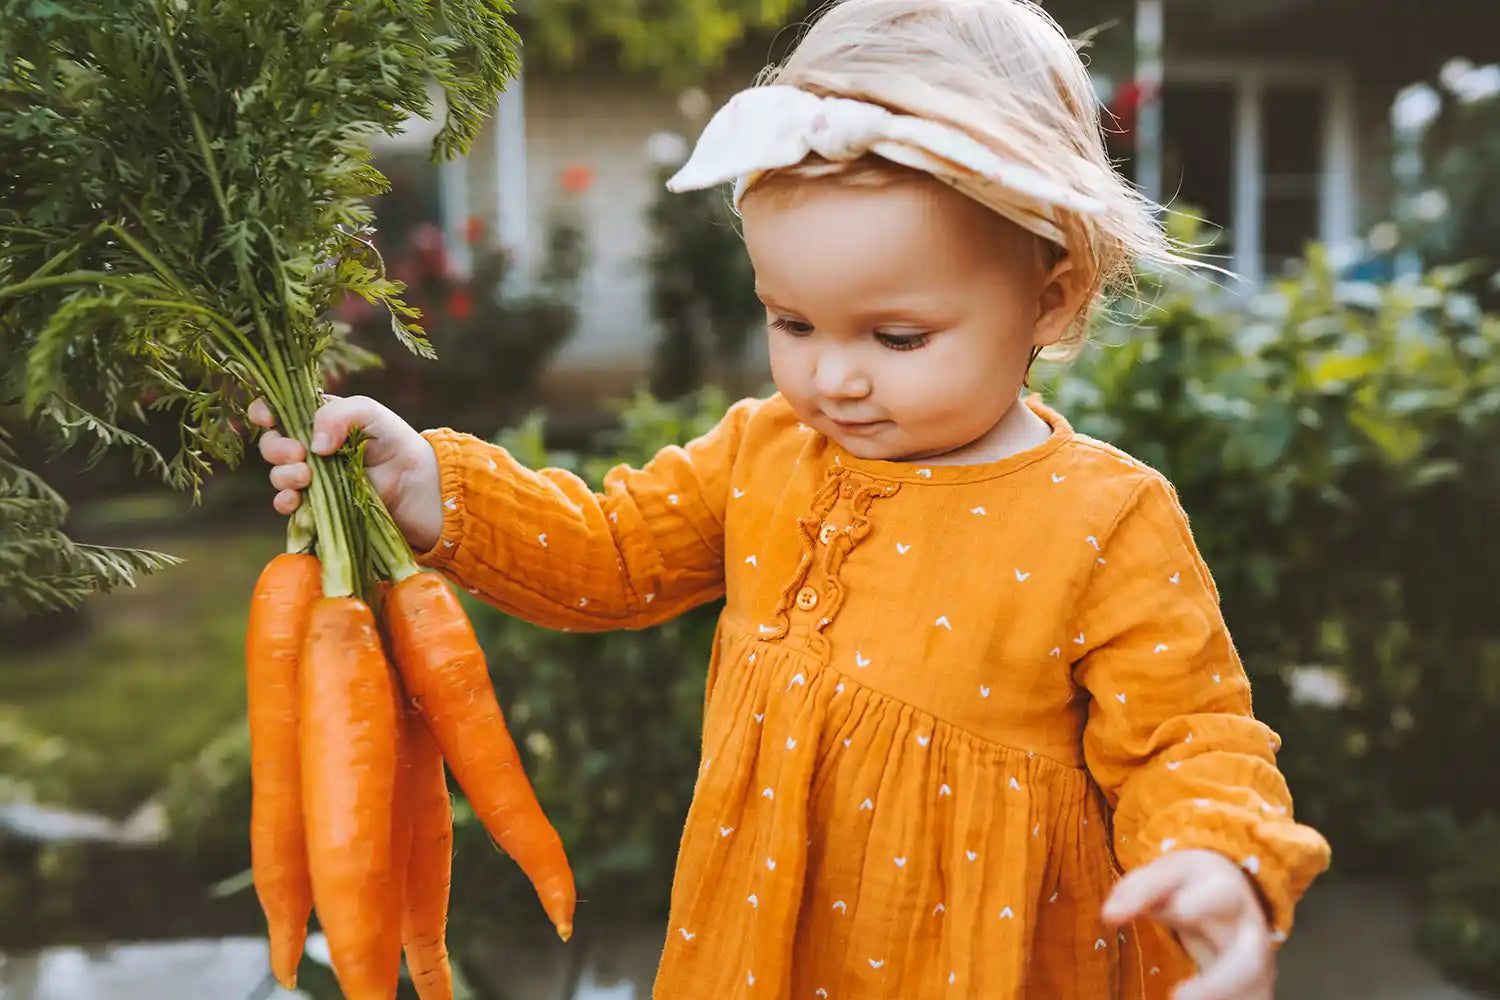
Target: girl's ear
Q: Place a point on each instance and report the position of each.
(1061, 300)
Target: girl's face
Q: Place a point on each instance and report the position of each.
(901, 317)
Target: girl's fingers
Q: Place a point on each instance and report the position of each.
(1144, 890)
(260, 414)
(291, 477)
(278, 449)
(1243, 971)
(337, 417)
(287, 501)
(1202, 903)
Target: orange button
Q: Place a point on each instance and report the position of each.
(826, 535)
(807, 598)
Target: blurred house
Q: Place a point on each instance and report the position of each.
(1274, 125)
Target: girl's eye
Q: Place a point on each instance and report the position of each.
(903, 342)
(795, 327)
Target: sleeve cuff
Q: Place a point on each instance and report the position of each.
(1281, 863)
(448, 446)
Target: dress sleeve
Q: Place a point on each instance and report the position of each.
(1170, 736)
(545, 547)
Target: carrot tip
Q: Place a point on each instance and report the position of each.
(288, 982)
(565, 931)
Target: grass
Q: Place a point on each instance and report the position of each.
(153, 674)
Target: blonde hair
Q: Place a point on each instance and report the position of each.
(1006, 73)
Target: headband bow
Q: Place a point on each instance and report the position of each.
(765, 128)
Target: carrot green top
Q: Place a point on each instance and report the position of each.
(945, 706)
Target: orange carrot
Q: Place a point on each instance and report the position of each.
(279, 608)
(429, 871)
(444, 670)
(350, 740)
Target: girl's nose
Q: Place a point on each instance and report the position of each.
(836, 377)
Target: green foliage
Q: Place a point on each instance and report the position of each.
(184, 201)
(493, 338)
(702, 289)
(677, 41)
(41, 568)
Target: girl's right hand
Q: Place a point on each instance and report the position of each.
(400, 464)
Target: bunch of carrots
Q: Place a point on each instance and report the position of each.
(354, 707)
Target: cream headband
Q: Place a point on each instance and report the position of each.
(765, 128)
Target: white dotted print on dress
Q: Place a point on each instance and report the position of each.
(971, 855)
(1161, 647)
(978, 512)
(1007, 914)
(861, 661)
(876, 963)
(738, 492)
(902, 550)
(770, 864)
(1022, 577)
(769, 793)
(899, 862)
(451, 503)
(543, 539)
(943, 789)
(943, 622)
(750, 561)
(725, 831)
(922, 741)
(865, 805)
(686, 935)
(938, 909)
(925, 473)
(1078, 639)
(1093, 541)
(754, 901)
(1167, 845)
(1175, 578)
(1015, 785)
(984, 691)
(791, 744)
(493, 466)
(841, 906)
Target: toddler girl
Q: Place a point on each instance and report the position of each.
(971, 666)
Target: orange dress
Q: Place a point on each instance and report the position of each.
(946, 704)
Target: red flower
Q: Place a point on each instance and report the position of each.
(460, 304)
(577, 179)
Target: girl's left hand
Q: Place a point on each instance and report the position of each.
(1217, 914)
